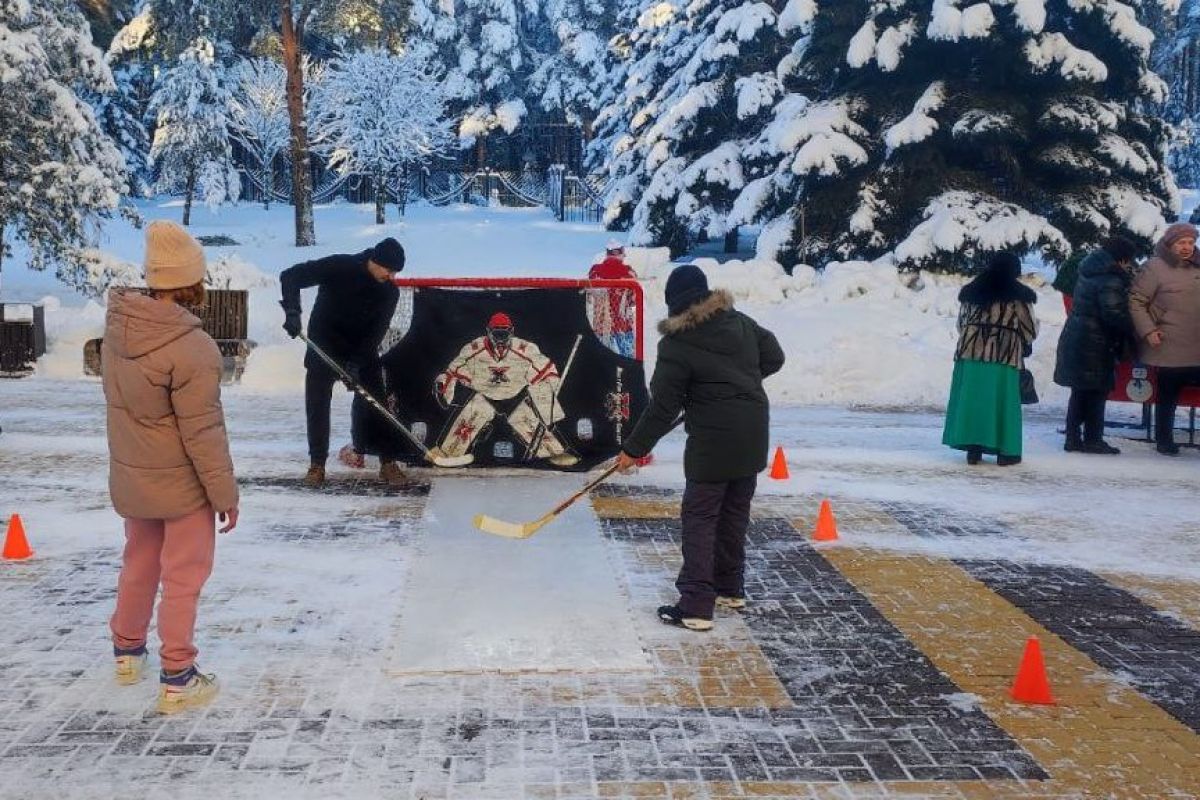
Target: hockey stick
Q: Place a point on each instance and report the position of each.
(543, 427)
(517, 530)
(357, 388)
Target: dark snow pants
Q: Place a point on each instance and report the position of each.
(1171, 381)
(1086, 409)
(715, 518)
(369, 431)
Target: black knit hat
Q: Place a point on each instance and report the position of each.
(686, 286)
(389, 255)
(1120, 248)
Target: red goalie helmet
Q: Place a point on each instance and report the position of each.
(500, 331)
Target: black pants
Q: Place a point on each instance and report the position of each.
(1086, 409)
(1171, 381)
(370, 432)
(715, 519)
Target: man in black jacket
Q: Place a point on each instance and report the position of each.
(355, 303)
(711, 364)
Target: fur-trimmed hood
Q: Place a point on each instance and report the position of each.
(718, 301)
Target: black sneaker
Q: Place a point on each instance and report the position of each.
(1168, 449)
(1101, 448)
(1007, 461)
(673, 615)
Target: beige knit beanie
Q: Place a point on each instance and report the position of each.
(174, 259)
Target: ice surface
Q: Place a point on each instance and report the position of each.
(478, 603)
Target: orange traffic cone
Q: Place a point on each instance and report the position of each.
(779, 467)
(16, 547)
(826, 527)
(1031, 685)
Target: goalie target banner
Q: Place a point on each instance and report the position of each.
(519, 405)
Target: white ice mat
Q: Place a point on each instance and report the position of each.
(479, 603)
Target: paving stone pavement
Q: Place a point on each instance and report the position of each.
(812, 692)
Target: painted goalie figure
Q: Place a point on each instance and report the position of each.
(503, 376)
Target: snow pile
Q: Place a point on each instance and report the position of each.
(857, 333)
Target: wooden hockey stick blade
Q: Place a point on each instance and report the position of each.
(509, 530)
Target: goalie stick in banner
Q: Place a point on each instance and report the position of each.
(504, 376)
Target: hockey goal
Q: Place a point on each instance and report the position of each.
(615, 308)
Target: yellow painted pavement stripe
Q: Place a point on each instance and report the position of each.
(1179, 598)
(1102, 740)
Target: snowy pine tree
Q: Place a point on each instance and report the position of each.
(572, 76)
(58, 171)
(259, 119)
(479, 42)
(1026, 126)
(379, 114)
(646, 57)
(191, 150)
(122, 112)
(1180, 59)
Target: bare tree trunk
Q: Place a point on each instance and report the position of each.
(1, 257)
(269, 189)
(380, 198)
(190, 189)
(302, 192)
(402, 194)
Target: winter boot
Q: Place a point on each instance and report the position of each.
(733, 603)
(673, 615)
(315, 477)
(1007, 461)
(189, 688)
(1073, 444)
(1100, 448)
(130, 662)
(974, 455)
(391, 474)
(1167, 448)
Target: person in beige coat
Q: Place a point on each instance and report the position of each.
(1165, 305)
(170, 473)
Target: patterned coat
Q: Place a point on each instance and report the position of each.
(998, 333)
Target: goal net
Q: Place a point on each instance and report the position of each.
(515, 372)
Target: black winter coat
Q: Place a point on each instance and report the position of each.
(352, 312)
(711, 364)
(1099, 327)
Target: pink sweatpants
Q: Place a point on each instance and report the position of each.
(179, 553)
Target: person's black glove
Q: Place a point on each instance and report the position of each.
(291, 323)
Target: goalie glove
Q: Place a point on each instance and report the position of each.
(443, 389)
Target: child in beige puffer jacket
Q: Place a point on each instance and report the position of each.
(170, 472)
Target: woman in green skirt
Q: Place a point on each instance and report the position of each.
(996, 329)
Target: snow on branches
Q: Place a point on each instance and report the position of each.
(58, 170)
(378, 114)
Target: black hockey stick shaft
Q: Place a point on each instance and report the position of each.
(358, 389)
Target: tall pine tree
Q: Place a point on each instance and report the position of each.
(191, 151)
(58, 171)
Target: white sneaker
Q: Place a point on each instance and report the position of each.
(129, 668)
(732, 603)
(190, 690)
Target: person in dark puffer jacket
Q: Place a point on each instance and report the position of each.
(1098, 332)
(711, 364)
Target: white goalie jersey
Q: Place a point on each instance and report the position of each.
(502, 375)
